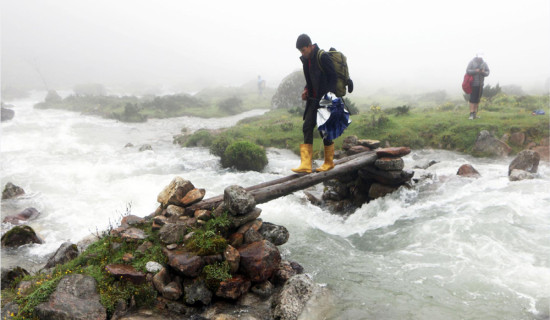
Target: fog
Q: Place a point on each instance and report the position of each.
(400, 45)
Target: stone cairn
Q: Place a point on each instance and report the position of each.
(262, 284)
(257, 268)
(385, 175)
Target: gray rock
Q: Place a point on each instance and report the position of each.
(9, 275)
(75, 297)
(526, 160)
(8, 310)
(293, 297)
(11, 191)
(133, 235)
(237, 221)
(66, 252)
(278, 235)
(172, 291)
(237, 200)
(289, 92)
(153, 267)
(349, 142)
(487, 144)
(173, 210)
(172, 233)
(6, 114)
(263, 289)
(197, 291)
(145, 147)
(389, 164)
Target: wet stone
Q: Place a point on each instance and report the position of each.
(389, 164)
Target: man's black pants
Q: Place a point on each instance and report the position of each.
(310, 121)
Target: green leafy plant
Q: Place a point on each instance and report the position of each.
(216, 273)
(207, 240)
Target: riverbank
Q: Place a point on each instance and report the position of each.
(444, 127)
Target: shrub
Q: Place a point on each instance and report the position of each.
(401, 110)
(489, 92)
(287, 126)
(244, 155)
(219, 145)
(53, 97)
(231, 105)
(201, 138)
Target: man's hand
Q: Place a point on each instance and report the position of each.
(304, 95)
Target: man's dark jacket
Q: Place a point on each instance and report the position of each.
(318, 83)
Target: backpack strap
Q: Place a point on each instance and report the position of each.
(319, 54)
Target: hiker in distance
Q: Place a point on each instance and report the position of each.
(318, 83)
(479, 70)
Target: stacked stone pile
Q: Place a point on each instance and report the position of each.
(261, 283)
(384, 176)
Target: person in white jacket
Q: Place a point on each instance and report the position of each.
(479, 70)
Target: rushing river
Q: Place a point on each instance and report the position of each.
(450, 248)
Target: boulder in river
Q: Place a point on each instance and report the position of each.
(20, 235)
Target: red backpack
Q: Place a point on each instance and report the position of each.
(467, 83)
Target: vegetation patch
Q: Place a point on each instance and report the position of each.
(216, 273)
(208, 239)
(108, 249)
(244, 155)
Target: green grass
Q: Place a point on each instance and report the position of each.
(106, 250)
(445, 126)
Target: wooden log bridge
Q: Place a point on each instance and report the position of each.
(274, 189)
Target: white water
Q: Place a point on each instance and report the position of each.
(451, 248)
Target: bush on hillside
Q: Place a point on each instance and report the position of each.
(489, 92)
(53, 97)
(201, 138)
(243, 156)
(231, 105)
(400, 111)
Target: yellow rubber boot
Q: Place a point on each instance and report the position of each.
(306, 150)
(329, 159)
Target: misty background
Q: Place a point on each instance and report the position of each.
(184, 46)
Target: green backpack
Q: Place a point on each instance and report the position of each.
(341, 67)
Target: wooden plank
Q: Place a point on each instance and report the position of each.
(270, 190)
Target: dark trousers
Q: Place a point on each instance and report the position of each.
(310, 121)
